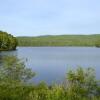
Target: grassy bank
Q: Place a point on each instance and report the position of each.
(3, 49)
(60, 40)
(6, 50)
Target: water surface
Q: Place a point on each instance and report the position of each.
(52, 63)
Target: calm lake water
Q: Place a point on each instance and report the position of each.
(52, 63)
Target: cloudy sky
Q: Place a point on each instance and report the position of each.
(50, 17)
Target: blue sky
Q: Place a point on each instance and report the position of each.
(50, 17)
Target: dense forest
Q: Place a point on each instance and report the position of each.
(7, 41)
(60, 40)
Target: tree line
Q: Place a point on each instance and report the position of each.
(7, 41)
(60, 40)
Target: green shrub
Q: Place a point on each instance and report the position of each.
(81, 84)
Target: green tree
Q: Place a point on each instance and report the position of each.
(97, 43)
(13, 69)
(7, 41)
(13, 78)
(81, 84)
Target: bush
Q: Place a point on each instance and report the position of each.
(81, 84)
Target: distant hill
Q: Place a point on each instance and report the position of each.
(60, 40)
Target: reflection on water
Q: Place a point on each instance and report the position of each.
(52, 63)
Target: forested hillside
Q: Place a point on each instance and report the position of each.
(7, 41)
(60, 40)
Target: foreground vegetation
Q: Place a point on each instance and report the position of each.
(7, 41)
(80, 84)
(62, 40)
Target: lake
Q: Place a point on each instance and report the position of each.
(52, 63)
